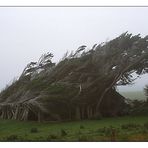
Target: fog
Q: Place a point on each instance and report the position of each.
(28, 32)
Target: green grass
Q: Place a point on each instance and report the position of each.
(90, 130)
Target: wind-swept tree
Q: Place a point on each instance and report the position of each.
(83, 84)
(121, 57)
(43, 63)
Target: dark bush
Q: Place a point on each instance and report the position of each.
(144, 131)
(142, 110)
(130, 126)
(63, 133)
(79, 132)
(110, 132)
(12, 138)
(52, 137)
(146, 125)
(82, 127)
(101, 130)
(34, 130)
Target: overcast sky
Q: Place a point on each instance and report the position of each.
(26, 33)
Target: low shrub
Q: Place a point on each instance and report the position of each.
(83, 138)
(146, 125)
(130, 126)
(109, 132)
(101, 130)
(34, 130)
(144, 131)
(12, 138)
(63, 133)
(82, 127)
(52, 137)
(79, 132)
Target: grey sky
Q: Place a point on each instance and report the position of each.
(26, 33)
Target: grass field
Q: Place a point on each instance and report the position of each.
(107, 129)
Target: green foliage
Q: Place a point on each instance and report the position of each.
(82, 127)
(79, 132)
(37, 84)
(130, 126)
(83, 138)
(63, 133)
(34, 130)
(52, 137)
(12, 138)
(141, 110)
(10, 89)
(54, 89)
(144, 130)
(146, 125)
(102, 130)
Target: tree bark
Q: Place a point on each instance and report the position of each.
(78, 113)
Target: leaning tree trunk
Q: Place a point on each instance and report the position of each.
(117, 78)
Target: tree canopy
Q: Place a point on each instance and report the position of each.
(82, 85)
